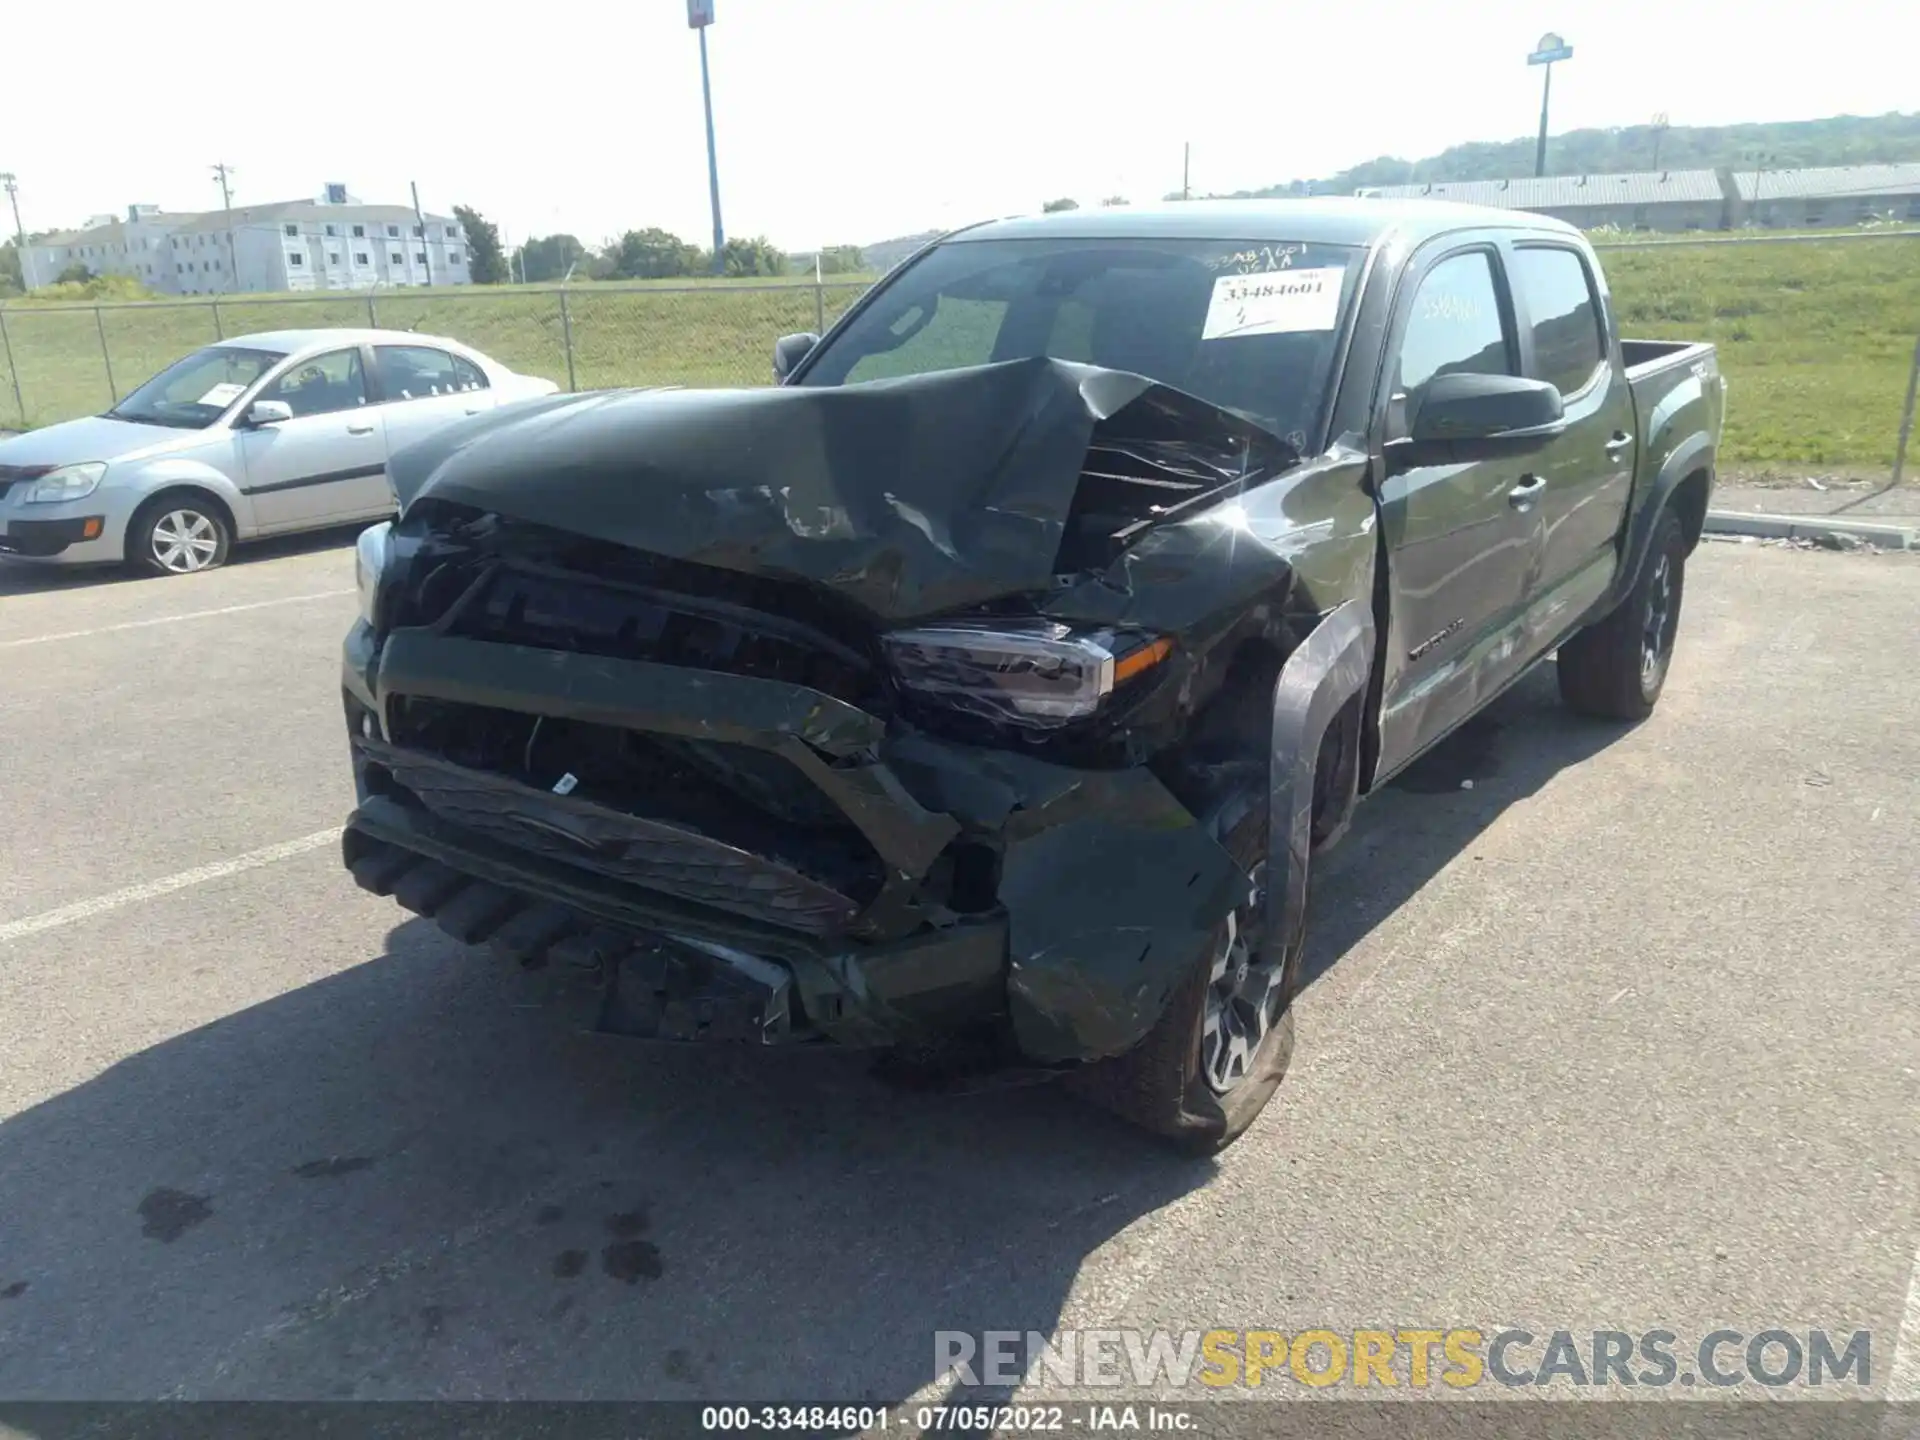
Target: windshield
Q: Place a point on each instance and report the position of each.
(1250, 326)
(196, 391)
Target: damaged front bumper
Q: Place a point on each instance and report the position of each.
(970, 888)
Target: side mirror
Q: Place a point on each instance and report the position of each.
(268, 412)
(1480, 407)
(789, 351)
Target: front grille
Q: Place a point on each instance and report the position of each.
(566, 612)
(670, 858)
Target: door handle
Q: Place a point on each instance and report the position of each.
(359, 429)
(1620, 441)
(1530, 489)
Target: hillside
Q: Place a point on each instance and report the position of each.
(1785, 144)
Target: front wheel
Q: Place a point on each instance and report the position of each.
(1616, 668)
(1207, 1068)
(178, 535)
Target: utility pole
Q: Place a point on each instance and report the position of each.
(1660, 123)
(224, 172)
(426, 249)
(700, 17)
(1186, 170)
(19, 230)
(1550, 49)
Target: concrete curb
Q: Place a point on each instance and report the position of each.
(1812, 527)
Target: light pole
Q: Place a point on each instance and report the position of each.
(1660, 126)
(19, 230)
(699, 17)
(1550, 49)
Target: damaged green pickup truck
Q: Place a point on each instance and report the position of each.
(990, 682)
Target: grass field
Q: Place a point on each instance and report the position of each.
(1815, 339)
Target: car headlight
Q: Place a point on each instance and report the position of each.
(68, 482)
(1036, 674)
(370, 554)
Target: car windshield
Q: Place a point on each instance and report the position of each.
(1250, 326)
(193, 393)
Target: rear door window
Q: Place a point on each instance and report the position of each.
(415, 372)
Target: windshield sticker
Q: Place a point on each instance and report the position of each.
(1276, 303)
(1260, 258)
(221, 395)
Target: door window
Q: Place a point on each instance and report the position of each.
(322, 385)
(1564, 315)
(416, 372)
(1456, 327)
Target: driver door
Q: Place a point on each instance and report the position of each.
(1463, 540)
(323, 464)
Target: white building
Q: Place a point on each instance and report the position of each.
(331, 243)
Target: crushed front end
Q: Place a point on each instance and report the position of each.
(816, 760)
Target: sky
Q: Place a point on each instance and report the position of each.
(851, 121)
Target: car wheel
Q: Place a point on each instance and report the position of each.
(1615, 669)
(1219, 1050)
(179, 535)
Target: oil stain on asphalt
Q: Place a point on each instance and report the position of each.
(169, 1214)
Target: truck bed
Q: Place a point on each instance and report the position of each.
(1678, 395)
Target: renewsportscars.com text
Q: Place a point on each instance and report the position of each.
(1458, 1359)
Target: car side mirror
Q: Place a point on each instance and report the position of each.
(788, 352)
(268, 412)
(1480, 407)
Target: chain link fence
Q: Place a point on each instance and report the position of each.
(1816, 336)
(58, 361)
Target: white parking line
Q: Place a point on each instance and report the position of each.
(1903, 1380)
(170, 619)
(199, 875)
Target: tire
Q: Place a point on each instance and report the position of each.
(179, 534)
(1163, 1083)
(1616, 667)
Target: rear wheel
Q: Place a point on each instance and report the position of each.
(1615, 669)
(178, 535)
(1222, 1045)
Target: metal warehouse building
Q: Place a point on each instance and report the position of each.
(1695, 199)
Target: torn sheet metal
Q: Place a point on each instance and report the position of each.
(908, 497)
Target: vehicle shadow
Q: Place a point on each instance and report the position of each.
(1433, 811)
(26, 577)
(419, 1178)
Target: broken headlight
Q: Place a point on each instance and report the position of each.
(1036, 673)
(370, 554)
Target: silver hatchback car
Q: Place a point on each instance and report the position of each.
(259, 435)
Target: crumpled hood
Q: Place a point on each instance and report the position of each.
(95, 437)
(909, 497)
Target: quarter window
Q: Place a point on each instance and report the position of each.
(1564, 314)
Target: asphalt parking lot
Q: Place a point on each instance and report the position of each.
(1621, 1036)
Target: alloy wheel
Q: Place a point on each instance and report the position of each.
(1244, 995)
(185, 541)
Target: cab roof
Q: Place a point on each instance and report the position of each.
(1326, 220)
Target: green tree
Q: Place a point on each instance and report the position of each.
(651, 254)
(1054, 207)
(486, 265)
(74, 274)
(1113, 200)
(11, 280)
(842, 260)
(550, 257)
(755, 256)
